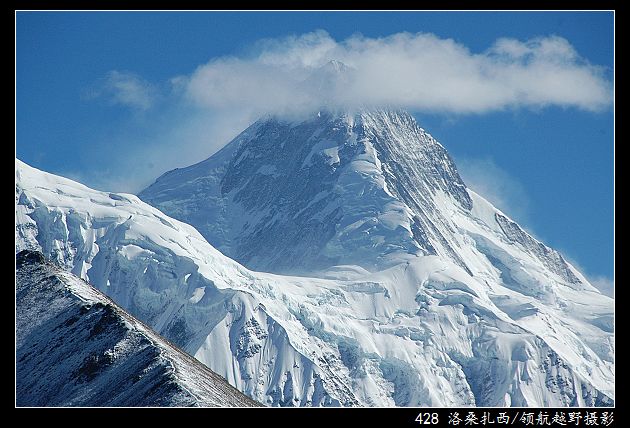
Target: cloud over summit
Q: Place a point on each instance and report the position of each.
(420, 72)
(294, 75)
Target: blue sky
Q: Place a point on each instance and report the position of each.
(114, 99)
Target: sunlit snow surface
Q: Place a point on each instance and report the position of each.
(513, 325)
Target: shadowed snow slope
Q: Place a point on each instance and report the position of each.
(75, 347)
(484, 315)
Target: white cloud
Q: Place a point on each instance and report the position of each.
(292, 75)
(126, 89)
(421, 72)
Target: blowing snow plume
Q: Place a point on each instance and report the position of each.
(414, 71)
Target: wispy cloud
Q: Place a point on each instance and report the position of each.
(125, 88)
(604, 284)
(422, 72)
(496, 185)
(182, 138)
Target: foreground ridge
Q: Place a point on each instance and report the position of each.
(75, 347)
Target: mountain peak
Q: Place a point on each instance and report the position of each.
(335, 66)
(324, 83)
(376, 167)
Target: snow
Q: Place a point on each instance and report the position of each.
(132, 251)
(197, 294)
(325, 148)
(413, 290)
(106, 357)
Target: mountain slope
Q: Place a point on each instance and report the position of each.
(75, 347)
(341, 193)
(424, 332)
(163, 272)
(370, 189)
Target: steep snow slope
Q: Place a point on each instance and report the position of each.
(370, 189)
(421, 332)
(75, 347)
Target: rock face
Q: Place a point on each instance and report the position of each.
(415, 291)
(75, 347)
(338, 189)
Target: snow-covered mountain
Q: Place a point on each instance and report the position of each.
(415, 290)
(370, 189)
(340, 194)
(75, 347)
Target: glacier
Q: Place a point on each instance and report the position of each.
(412, 290)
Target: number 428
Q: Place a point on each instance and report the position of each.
(427, 418)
